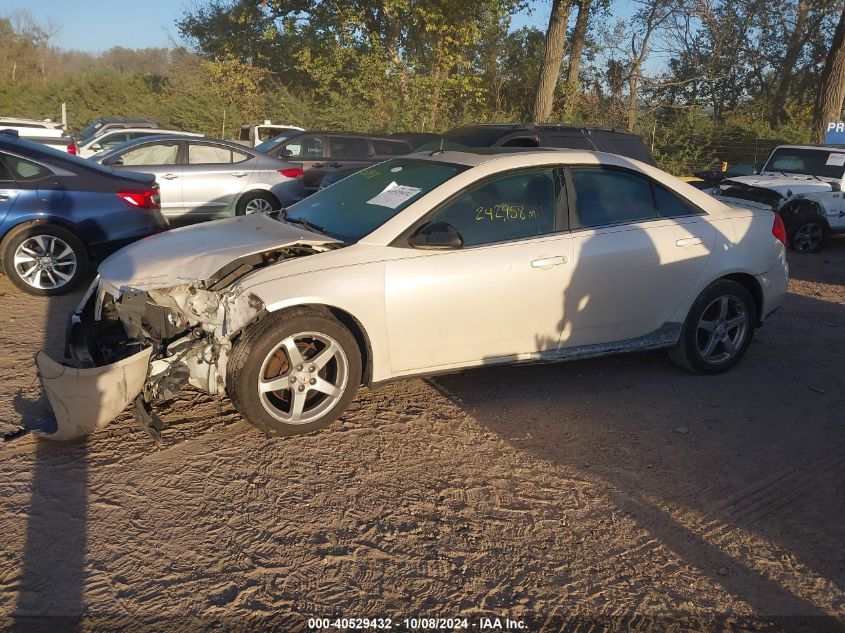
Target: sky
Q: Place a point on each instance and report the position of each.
(97, 25)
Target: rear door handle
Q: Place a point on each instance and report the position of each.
(4, 196)
(239, 174)
(317, 165)
(169, 176)
(548, 262)
(689, 241)
(335, 165)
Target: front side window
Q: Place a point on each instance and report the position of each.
(608, 196)
(153, 154)
(22, 169)
(348, 147)
(359, 204)
(304, 147)
(515, 206)
(208, 154)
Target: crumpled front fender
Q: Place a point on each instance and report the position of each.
(84, 400)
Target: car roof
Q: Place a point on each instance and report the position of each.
(512, 127)
(179, 137)
(374, 137)
(830, 146)
(479, 156)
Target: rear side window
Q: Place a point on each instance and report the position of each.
(22, 169)
(348, 147)
(569, 141)
(607, 196)
(670, 205)
(208, 154)
(509, 207)
(153, 154)
(389, 148)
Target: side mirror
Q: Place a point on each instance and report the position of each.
(114, 161)
(96, 147)
(436, 235)
(835, 185)
(287, 152)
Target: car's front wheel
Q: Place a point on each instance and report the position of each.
(44, 259)
(718, 329)
(294, 372)
(807, 234)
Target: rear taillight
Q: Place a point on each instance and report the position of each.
(779, 230)
(292, 172)
(71, 148)
(140, 198)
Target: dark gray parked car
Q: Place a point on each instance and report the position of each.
(322, 153)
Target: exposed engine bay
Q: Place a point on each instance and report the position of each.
(175, 336)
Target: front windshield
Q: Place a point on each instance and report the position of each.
(90, 131)
(359, 204)
(810, 162)
(271, 143)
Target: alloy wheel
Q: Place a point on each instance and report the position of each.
(258, 205)
(45, 262)
(808, 237)
(303, 378)
(722, 329)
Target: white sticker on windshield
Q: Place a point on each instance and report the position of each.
(836, 159)
(393, 195)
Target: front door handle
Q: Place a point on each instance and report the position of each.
(689, 241)
(548, 262)
(239, 174)
(169, 176)
(4, 197)
(317, 165)
(336, 165)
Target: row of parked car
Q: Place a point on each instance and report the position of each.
(58, 212)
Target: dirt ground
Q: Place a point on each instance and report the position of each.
(618, 493)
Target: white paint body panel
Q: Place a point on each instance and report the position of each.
(431, 311)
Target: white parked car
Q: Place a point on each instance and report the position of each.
(803, 183)
(423, 264)
(114, 137)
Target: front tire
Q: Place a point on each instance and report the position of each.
(44, 259)
(294, 372)
(256, 202)
(717, 330)
(807, 234)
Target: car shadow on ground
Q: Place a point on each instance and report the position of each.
(696, 460)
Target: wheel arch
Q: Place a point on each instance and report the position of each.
(349, 321)
(256, 189)
(26, 222)
(750, 283)
(795, 208)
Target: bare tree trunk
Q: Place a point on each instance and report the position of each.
(633, 87)
(832, 87)
(793, 50)
(550, 68)
(576, 47)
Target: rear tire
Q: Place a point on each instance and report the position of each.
(256, 202)
(717, 330)
(44, 259)
(294, 372)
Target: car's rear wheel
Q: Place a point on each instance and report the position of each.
(807, 234)
(718, 329)
(44, 259)
(257, 202)
(294, 372)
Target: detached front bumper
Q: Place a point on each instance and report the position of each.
(84, 400)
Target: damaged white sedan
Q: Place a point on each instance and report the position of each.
(425, 264)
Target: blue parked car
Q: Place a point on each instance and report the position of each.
(58, 213)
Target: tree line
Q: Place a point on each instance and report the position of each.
(698, 79)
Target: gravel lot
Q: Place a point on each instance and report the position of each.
(617, 492)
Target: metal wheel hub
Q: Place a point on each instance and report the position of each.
(722, 329)
(808, 237)
(303, 378)
(45, 262)
(258, 205)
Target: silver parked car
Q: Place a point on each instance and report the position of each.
(203, 179)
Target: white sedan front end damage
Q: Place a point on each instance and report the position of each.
(144, 344)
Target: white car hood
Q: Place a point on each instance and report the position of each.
(194, 253)
(787, 186)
